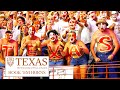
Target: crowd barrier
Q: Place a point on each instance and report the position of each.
(66, 72)
(92, 73)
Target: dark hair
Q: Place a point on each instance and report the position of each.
(53, 31)
(8, 32)
(57, 13)
(23, 19)
(71, 19)
(22, 26)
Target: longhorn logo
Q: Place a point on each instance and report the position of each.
(10, 61)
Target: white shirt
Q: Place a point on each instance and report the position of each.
(116, 30)
(39, 33)
(62, 26)
(85, 35)
(16, 34)
(2, 33)
(92, 26)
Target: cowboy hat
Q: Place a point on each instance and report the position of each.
(101, 21)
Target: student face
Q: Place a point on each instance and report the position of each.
(8, 36)
(20, 21)
(72, 37)
(102, 26)
(25, 29)
(72, 23)
(52, 36)
(31, 31)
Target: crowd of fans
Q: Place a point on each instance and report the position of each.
(66, 29)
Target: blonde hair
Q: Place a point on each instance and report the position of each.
(50, 14)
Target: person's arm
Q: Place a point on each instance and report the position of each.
(85, 24)
(16, 48)
(19, 39)
(68, 60)
(22, 46)
(65, 34)
(84, 47)
(44, 43)
(112, 26)
(60, 38)
(27, 16)
(61, 48)
(44, 28)
(0, 45)
(65, 51)
(1, 53)
(23, 40)
(80, 24)
(93, 41)
(38, 47)
(116, 44)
